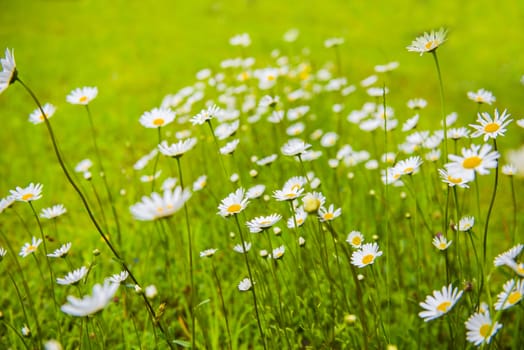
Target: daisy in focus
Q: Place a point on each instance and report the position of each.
(82, 96)
(355, 238)
(476, 159)
(91, 304)
(480, 328)
(329, 214)
(512, 294)
(366, 255)
(233, 204)
(157, 118)
(491, 127)
(440, 303)
(428, 42)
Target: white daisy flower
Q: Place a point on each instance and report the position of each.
(233, 204)
(509, 255)
(208, 253)
(278, 252)
(476, 159)
(30, 193)
(243, 247)
(205, 115)
(466, 223)
(245, 285)
(329, 214)
(157, 118)
(512, 294)
(295, 147)
(298, 219)
(491, 127)
(366, 255)
(440, 303)
(428, 42)
(255, 191)
(72, 277)
(158, 206)
(91, 304)
(61, 252)
(37, 117)
(480, 328)
(9, 72)
(119, 277)
(178, 149)
(53, 212)
(82, 96)
(262, 223)
(30, 248)
(482, 96)
(355, 238)
(230, 147)
(440, 242)
(200, 183)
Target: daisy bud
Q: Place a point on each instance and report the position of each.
(372, 193)
(231, 234)
(351, 176)
(403, 195)
(263, 253)
(360, 277)
(266, 197)
(350, 318)
(301, 241)
(277, 231)
(253, 173)
(96, 252)
(375, 237)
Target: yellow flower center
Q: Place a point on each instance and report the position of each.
(159, 210)
(41, 117)
(514, 298)
(158, 122)
(491, 127)
(484, 330)
(443, 307)
(295, 187)
(408, 170)
(430, 44)
(244, 76)
(300, 221)
(442, 245)
(265, 222)
(27, 196)
(83, 99)
(31, 249)
(328, 216)
(356, 241)
(271, 77)
(471, 162)
(455, 180)
(234, 208)
(368, 259)
(520, 269)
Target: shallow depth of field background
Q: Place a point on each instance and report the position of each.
(136, 52)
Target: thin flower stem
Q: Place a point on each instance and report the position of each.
(218, 149)
(156, 160)
(514, 201)
(88, 209)
(99, 201)
(103, 175)
(17, 333)
(224, 310)
(443, 114)
(190, 253)
(252, 281)
(491, 204)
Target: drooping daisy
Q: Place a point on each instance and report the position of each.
(61, 252)
(9, 73)
(230, 147)
(295, 147)
(36, 117)
(262, 223)
(329, 214)
(158, 206)
(243, 247)
(440, 303)
(480, 328)
(82, 96)
(245, 285)
(157, 118)
(208, 253)
(177, 150)
(428, 42)
(313, 201)
(278, 252)
(440, 242)
(476, 159)
(255, 191)
(119, 277)
(355, 238)
(298, 219)
(512, 294)
(53, 212)
(30, 248)
(482, 96)
(366, 255)
(72, 277)
(205, 115)
(91, 304)
(30, 193)
(466, 223)
(233, 204)
(491, 127)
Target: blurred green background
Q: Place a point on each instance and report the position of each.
(136, 52)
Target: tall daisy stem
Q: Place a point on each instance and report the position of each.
(442, 112)
(491, 203)
(252, 282)
(88, 209)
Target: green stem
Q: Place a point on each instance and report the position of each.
(443, 114)
(156, 159)
(224, 310)
(491, 204)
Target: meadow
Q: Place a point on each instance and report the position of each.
(261, 175)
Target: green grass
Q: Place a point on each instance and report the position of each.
(136, 53)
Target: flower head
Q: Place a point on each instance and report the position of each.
(512, 294)
(157, 206)
(37, 117)
(178, 149)
(295, 147)
(366, 255)
(91, 304)
(355, 238)
(407, 166)
(509, 256)
(200, 183)
(245, 285)
(428, 42)
(73, 277)
(82, 96)
(278, 252)
(262, 223)
(480, 328)
(477, 159)
(30, 248)
(255, 191)
(440, 242)
(440, 303)
(482, 96)
(30, 193)
(205, 115)
(466, 223)
(208, 253)
(53, 212)
(61, 252)
(459, 178)
(329, 214)
(157, 118)
(9, 72)
(118, 277)
(233, 204)
(491, 127)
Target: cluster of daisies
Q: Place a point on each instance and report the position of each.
(480, 326)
